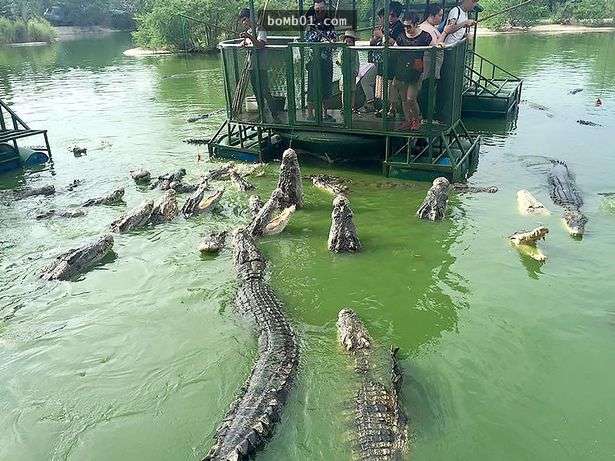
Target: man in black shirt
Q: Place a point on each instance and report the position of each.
(395, 29)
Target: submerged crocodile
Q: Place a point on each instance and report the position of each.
(76, 213)
(114, 198)
(213, 243)
(564, 193)
(379, 419)
(330, 184)
(251, 418)
(465, 188)
(588, 123)
(141, 176)
(76, 261)
(34, 192)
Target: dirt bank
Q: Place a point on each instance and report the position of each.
(549, 29)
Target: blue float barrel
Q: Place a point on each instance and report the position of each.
(31, 157)
(9, 158)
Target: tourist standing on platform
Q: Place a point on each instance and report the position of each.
(350, 39)
(255, 37)
(409, 70)
(396, 28)
(457, 23)
(320, 30)
(433, 18)
(434, 14)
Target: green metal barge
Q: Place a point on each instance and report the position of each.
(467, 84)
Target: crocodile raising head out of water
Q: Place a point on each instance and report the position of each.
(379, 420)
(564, 193)
(251, 418)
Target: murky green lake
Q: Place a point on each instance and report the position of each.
(504, 359)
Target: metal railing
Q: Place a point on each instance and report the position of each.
(293, 82)
(17, 122)
(485, 77)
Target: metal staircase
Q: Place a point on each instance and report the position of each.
(489, 90)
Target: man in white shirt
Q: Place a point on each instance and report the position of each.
(457, 23)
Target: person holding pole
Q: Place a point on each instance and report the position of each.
(320, 30)
(458, 24)
(396, 28)
(255, 37)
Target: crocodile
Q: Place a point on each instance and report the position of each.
(76, 213)
(197, 141)
(279, 223)
(251, 418)
(141, 176)
(529, 205)
(74, 184)
(255, 204)
(564, 193)
(330, 184)
(266, 213)
(575, 91)
(588, 123)
(76, 261)
(114, 198)
(219, 173)
(242, 184)
(380, 421)
(133, 219)
(526, 242)
(540, 107)
(78, 151)
(465, 188)
(165, 209)
(343, 232)
(290, 182)
(433, 207)
(164, 181)
(201, 201)
(213, 243)
(33, 192)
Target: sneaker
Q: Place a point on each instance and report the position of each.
(416, 124)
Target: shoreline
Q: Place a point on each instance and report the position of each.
(546, 29)
(142, 52)
(66, 33)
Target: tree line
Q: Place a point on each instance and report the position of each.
(162, 23)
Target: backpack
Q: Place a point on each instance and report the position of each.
(445, 21)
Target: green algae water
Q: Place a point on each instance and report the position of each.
(504, 358)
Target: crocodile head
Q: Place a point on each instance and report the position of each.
(575, 222)
(352, 333)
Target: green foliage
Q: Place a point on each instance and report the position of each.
(524, 16)
(160, 25)
(569, 10)
(76, 12)
(19, 31)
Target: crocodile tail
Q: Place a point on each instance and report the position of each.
(401, 436)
